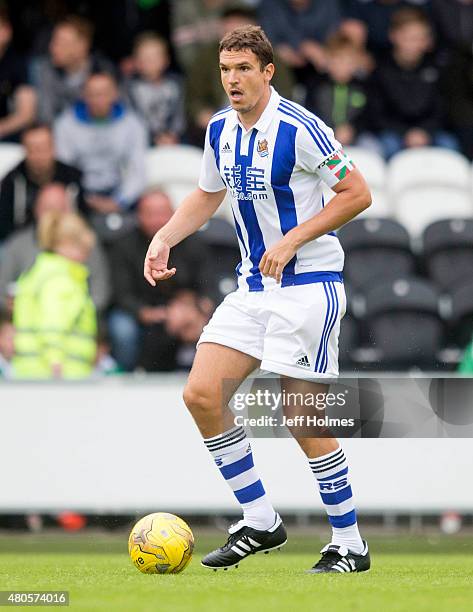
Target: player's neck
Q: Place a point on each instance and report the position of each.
(249, 119)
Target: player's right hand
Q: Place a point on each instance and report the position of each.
(156, 262)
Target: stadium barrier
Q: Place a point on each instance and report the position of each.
(128, 444)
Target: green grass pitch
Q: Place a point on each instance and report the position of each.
(411, 575)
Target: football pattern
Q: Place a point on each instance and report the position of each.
(161, 543)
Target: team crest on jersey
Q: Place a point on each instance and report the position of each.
(262, 148)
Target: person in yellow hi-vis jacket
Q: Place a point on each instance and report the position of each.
(53, 313)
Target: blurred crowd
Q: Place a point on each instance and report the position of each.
(87, 87)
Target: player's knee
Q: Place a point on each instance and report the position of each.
(198, 399)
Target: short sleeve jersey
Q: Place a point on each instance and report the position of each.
(273, 173)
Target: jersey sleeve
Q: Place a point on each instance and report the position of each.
(320, 153)
(210, 179)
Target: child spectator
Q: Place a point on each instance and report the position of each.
(405, 104)
(340, 97)
(21, 249)
(53, 313)
(156, 95)
(17, 98)
(7, 346)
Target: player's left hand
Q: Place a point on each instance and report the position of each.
(156, 262)
(275, 259)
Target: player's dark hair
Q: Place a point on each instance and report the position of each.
(250, 37)
(406, 16)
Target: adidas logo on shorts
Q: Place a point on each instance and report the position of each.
(303, 361)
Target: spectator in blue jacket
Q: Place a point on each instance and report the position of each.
(107, 142)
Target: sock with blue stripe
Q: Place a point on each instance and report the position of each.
(331, 472)
(231, 451)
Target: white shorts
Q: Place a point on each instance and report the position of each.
(292, 330)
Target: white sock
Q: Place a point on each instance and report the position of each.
(331, 472)
(231, 451)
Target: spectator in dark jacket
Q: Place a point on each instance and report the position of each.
(339, 97)
(137, 326)
(60, 76)
(405, 104)
(20, 187)
(17, 97)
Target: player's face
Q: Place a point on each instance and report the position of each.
(244, 81)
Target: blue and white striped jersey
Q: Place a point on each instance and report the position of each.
(273, 172)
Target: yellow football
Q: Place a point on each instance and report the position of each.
(161, 543)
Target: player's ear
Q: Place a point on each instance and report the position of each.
(269, 71)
